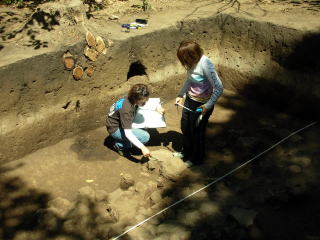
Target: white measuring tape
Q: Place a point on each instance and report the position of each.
(213, 182)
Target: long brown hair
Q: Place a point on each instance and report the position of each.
(137, 92)
(189, 53)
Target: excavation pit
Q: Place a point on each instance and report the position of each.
(58, 167)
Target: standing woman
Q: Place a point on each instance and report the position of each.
(120, 118)
(202, 88)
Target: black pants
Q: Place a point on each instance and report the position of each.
(194, 136)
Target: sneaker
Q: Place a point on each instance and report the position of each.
(178, 155)
(119, 150)
(189, 164)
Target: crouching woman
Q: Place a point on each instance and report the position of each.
(120, 118)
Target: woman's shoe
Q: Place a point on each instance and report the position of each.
(178, 154)
(189, 164)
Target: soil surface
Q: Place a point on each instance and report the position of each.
(275, 196)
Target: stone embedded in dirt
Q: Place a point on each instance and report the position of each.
(247, 143)
(87, 192)
(296, 138)
(243, 216)
(209, 208)
(154, 166)
(126, 181)
(155, 197)
(244, 173)
(101, 196)
(109, 43)
(106, 214)
(89, 71)
(160, 182)
(143, 189)
(302, 161)
(60, 206)
(174, 230)
(91, 40)
(59, 202)
(77, 72)
(295, 169)
(140, 234)
(169, 166)
(91, 54)
(68, 61)
(113, 17)
(100, 47)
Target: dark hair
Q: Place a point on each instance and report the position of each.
(189, 53)
(137, 92)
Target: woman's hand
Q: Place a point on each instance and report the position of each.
(204, 110)
(160, 110)
(145, 151)
(179, 100)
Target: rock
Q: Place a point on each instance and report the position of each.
(302, 161)
(189, 218)
(247, 143)
(100, 47)
(89, 71)
(160, 182)
(91, 54)
(244, 217)
(296, 138)
(255, 233)
(244, 173)
(140, 234)
(152, 185)
(153, 165)
(155, 197)
(209, 208)
(170, 167)
(126, 181)
(109, 43)
(77, 73)
(60, 202)
(101, 196)
(60, 206)
(68, 61)
(113, 17)
(106, 214)
(87, 193)
(142, 189)
(90, 39)
(295, 169)
(180, 235)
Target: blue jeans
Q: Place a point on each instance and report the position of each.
(123, 143)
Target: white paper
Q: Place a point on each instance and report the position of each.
(148, 117)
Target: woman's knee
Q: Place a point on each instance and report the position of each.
(142, 135)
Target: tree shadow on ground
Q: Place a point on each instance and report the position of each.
(27, 213)
(16, 27)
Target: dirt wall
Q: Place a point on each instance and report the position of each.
(43, 104)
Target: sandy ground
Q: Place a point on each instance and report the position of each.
(281, 185)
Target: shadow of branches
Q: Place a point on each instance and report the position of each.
(16, 26)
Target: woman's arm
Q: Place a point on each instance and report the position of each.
(215, 81)
(135, 141)
(132, 138)
(184, 88)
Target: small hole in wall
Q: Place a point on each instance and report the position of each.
(78, 106)
(136, 69)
